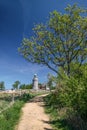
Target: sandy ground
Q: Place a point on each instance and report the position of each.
(34, 117)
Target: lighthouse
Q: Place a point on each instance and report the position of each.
(35, 82)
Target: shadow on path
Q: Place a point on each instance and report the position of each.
(47, 129)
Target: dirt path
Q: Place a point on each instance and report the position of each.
(34, 117)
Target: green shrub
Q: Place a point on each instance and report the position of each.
(71, 95)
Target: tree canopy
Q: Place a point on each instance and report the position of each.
(59, 42)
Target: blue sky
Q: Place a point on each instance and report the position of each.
(17, 18)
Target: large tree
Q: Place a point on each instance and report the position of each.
(58, 43)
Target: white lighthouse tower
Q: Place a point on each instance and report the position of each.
(35, 82)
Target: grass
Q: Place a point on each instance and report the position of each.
(10, 117)
(3, 104)
(5, 100)
(57, 117)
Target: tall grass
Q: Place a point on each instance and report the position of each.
(10, 117)
(5, 101)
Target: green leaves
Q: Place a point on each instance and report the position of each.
(16, 84)
(60, 42)
(2, 86)
(70, 96)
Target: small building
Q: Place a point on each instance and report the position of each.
(42, 86)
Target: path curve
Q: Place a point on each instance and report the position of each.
(34, 117)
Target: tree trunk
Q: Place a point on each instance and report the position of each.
(68, 69)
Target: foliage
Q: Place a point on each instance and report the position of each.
(76, 88)
(26, 97)
(58, 121)
(16, 84)
(71, 96)
(50, 82)
(60, 42)
(2, 86)
(24, 86)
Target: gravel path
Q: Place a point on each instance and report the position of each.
(34, 117)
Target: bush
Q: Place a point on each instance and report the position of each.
(71, 96)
